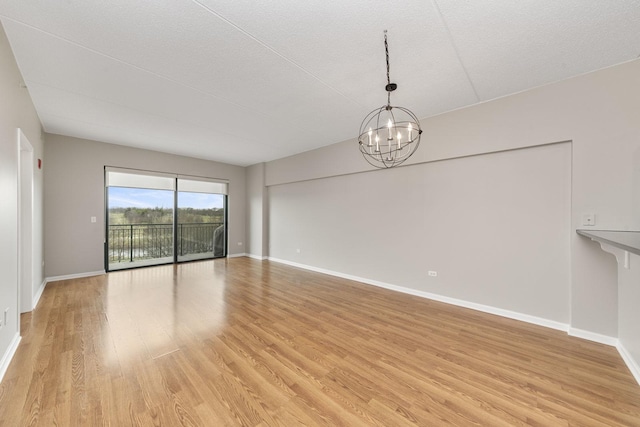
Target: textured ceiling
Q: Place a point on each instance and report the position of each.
(244, 82)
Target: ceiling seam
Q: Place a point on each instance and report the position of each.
(266, 46)
(122, 62)
(244, 107)
(455, 48)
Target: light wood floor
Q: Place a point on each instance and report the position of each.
(243, 342)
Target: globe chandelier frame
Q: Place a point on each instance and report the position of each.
(389, 135)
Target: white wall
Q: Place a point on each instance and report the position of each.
(74, 192)
(16, 111)
(257, 240)
(597, 112)
(495, 227)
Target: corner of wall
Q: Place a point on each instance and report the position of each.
(633, 366)
(8, 355)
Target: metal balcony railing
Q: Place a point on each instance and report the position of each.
(137, 242)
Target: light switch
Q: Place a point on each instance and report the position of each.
(93, 219)
(589, 219)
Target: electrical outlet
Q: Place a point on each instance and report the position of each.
(239, 243)
(433, 273)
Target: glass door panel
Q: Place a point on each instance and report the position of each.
(139, 227)
(200, 225)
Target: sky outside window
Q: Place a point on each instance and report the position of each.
(122, 197)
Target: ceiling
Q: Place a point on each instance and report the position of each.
(248, 81)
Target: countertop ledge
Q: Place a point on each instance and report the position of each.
(626, 240)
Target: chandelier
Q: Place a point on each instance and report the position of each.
(389, 135)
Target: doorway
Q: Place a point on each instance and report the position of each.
(157, 218)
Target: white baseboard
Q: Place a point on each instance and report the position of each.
(258, 257)
(36, 297)
(592, 336)
(236, 255)
(448, 300)
(8, 355)
(630, 362)
(75, 276)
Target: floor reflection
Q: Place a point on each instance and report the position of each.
(153, 311)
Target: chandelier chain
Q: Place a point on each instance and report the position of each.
(386, 51)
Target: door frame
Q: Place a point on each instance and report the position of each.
(25, 222)
(176, 191)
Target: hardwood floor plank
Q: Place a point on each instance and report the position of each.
(240, 342)
(290, 415)
(213, 408)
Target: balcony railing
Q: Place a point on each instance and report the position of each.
(137, 242)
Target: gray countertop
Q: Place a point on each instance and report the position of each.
(627, 240)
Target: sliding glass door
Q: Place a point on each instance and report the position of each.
(155, 218)
(201, 219)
